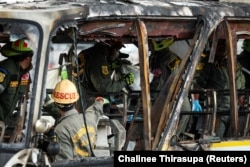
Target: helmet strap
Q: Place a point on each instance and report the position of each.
(65, 107)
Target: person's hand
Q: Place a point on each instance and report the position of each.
(129, 78)
(241, 100)
(101, 99)
(196, 107)
(157, 72)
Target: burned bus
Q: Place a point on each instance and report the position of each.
(139, 117)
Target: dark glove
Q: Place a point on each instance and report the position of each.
(124, 61)
(196, 107)
(115, 65)
(129, 78)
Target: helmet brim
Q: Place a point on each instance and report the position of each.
(6, 51)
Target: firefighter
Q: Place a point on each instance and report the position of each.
(76, 137)
(98, 63)
(49, 105)
(244, 60)
(215, 76)
(14, 77)
(163, 62)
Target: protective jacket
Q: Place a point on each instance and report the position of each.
(244, 60)
(99, 71)
(72, 135)
(162, 63)
(14, 84)
(215, 76)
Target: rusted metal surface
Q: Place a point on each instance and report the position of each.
(144, 75)
(167, 109)
(126, 28)
(232, 75)
(153, 11)
(96, 20)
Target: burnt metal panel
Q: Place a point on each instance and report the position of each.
(110, 28)
(176, 27)
(183, 30)
(117, 19)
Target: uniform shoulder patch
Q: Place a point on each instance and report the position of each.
(174, 63)
(2, 76)
(105, 70)
(3, 73)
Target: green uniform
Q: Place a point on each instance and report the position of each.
(71, 132)
(98, 69)
(215, 76)
(244, 60)
(14, 84)
(162, 64)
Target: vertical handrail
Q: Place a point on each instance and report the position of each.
(2, 126)
(214, 112)
(248, 117)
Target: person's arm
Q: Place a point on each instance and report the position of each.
(200, 82)
(195, 103)
(95, 111)
(195, 96)
(240, 83)
(66, 151)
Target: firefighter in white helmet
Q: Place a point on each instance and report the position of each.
(71, 129)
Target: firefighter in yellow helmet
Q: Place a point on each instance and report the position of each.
(71, 130)
(14, 77)
(164, 62)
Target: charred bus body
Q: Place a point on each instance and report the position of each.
(72, 26)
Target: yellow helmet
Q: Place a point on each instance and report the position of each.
(162, 44)
(65, 92)
(17, 48)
